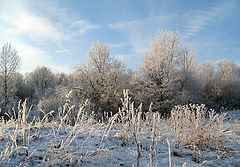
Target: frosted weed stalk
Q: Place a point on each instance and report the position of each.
(15, 129)
(131, 123)
(193, 125)
(59, 143)
(136, 124)
(67, 148)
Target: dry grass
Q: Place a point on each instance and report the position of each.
(193, 125)
(136, 124)
(62, 145)
(18, 137)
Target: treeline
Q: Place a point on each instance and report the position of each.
(168, 76)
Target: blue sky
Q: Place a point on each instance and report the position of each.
(58, 34)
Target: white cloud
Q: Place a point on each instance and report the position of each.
(32, 57)
(62, 51)
(20, 20)
(118, 45)
(26, 23)
(82, 26)
(201, 19)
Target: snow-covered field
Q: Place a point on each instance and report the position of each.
(99, 144)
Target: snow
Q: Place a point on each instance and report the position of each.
(89, 145)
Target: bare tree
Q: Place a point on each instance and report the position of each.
(42, 79)
(9, 64)
(61, 79)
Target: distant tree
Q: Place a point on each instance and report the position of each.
(221, 85)
(227, 71)
(228, 83)
(23, 90)
(186, 68)
(42, 79)
(188, 85)
(9, 64)
(61, 79)
(206, 73)
(54, 102)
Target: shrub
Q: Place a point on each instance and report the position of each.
(65, 104)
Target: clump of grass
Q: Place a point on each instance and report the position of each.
(137, 124)
(195, 126)
(63, 144)
(131, 123)
(67, 148)
(16, 131)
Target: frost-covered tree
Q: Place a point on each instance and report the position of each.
(9, 64)
(23, 90)
(185, 73)
(102, 78)
(160, 63)
(188, 85)
(42, 79)
(221, 85)
(206, 73)
(228, 84)
(227, 71)
(165, 72)
(61, 79)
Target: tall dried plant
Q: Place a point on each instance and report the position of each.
(196, 126)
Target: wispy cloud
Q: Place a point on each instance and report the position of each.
(142, 31)
(124, 25)
(118, 45)
(62, 51)
(82, 26)
(139, 23)
(199, 20)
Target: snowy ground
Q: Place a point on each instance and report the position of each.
(91, 145)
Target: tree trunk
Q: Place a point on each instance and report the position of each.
(5, 93)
